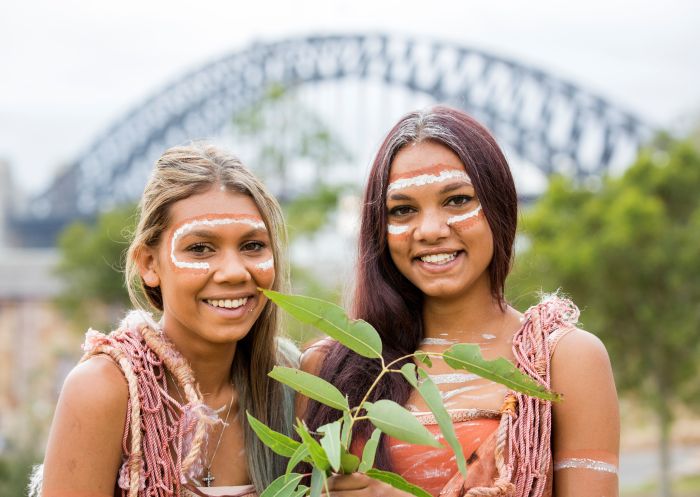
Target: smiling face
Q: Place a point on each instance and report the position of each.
(437, 234)
(208, 265)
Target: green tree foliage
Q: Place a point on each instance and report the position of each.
(91, 266)
(629, 255)
(286, 131)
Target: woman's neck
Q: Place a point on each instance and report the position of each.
(467, 316)
(210, 363)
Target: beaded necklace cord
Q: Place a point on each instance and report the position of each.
(208, 479)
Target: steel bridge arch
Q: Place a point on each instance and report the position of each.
(548, 121)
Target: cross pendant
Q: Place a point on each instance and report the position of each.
(208, 479)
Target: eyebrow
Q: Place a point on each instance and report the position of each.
(210, 233)
(455, 186)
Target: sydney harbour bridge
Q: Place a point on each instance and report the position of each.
(542, 120)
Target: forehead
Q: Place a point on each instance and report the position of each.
(422, 158)
(214, 203)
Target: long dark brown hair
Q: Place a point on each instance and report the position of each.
(382, 295)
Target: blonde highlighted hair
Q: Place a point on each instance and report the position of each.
(188, 170)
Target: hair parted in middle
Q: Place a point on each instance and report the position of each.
(382, 295)
(182, 172)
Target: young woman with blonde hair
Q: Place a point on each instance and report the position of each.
(158, 406)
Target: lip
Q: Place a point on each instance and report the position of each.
(236, 313)
(433, 268)
(435, 251)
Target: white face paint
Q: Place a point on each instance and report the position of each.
(464, 217)
(187, 227)
(396, 230)
(427, 179)
(266, 265)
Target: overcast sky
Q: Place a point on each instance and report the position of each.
(70, 68)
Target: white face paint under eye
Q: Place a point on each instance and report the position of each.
(427, 179)
(464, 217)
(266, 265)
(392, 229)
(210, 222)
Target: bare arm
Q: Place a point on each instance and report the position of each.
(84, 450)
(586, 424)
(310, 362)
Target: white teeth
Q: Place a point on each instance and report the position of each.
(228, 303)
(439, 258)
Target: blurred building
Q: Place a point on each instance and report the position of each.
(37, 348)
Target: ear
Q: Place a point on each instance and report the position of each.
(147, 262)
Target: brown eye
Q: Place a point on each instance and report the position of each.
(459, 200)
(254, 246)
(400, 210)
(198, 248)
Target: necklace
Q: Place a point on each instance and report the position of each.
(208, 479)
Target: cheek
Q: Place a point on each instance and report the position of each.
(263, 273)
(471, 223)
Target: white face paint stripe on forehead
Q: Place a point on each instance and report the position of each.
(427, 179)
(187, 227)
(464, 217)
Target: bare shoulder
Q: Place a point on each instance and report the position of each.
(91, 414)
(578, 355)
(98, 379)
(588, 416)
(311, 361)
(313, 355)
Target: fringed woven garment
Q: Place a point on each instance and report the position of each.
(513, 459)
(163, 440)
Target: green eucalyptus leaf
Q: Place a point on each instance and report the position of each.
(284, 486)
(279, 443)
(370, 451)
(331, 442)
(318, 478)
(300, 491)
(318, 455)
(409, 372)
(468, 356)
(397, 482)
(299, 455)
(357, 335)
(311, 386)
(345, 434)
(397, 422)
(349, 462)
(424, 358)
(433, 399)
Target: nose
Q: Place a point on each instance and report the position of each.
(230, 268)
(432, 227)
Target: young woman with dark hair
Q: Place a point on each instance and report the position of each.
(436, 243)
